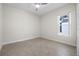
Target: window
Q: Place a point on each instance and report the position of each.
(63, 25)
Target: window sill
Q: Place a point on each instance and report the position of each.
(62, 34)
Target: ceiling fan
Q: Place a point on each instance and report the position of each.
(37, 5)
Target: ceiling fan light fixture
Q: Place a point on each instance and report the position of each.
(37, 5)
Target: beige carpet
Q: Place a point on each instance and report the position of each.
(38, 47)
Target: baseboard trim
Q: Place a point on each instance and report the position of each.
(60, 42)
(35, 38)
(20, 40)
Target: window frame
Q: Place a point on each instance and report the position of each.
(69, 25)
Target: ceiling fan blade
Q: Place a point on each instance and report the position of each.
(43, 3)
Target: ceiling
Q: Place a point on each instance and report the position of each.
(31, 8)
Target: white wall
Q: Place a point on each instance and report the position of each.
(49, 25)
(22, 25)
(0, 25)
(78, 29)
(19, 25)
